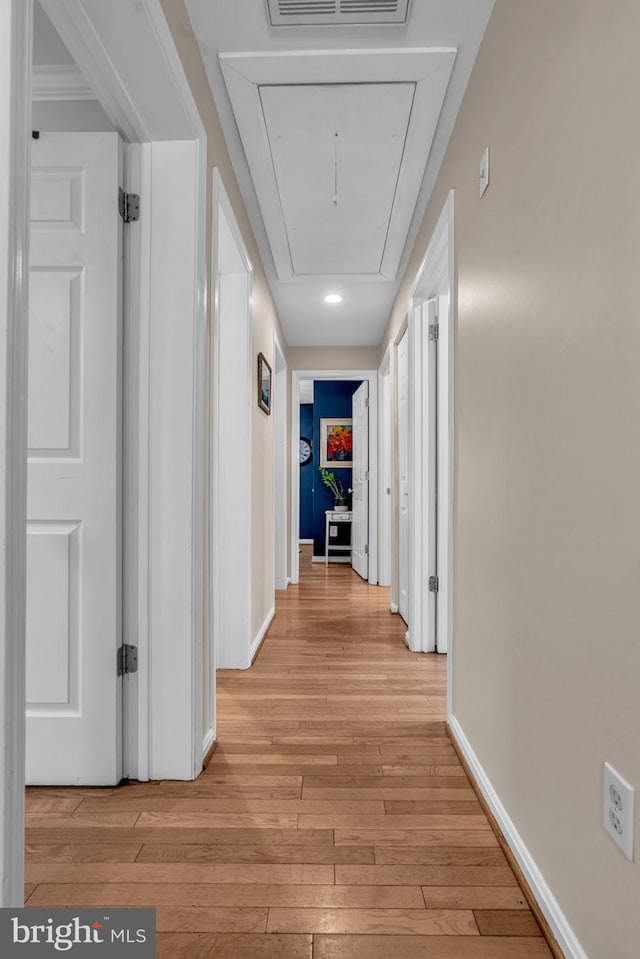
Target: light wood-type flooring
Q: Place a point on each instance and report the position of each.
(334, 820)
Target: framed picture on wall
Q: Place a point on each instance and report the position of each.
(264, 384)
(336, 443)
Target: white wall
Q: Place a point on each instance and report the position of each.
(70, 116)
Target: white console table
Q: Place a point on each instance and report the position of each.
(331, 518)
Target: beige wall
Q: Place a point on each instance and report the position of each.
(265, 318)
(333, 358)
(547, 407)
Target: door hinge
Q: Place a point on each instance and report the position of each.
(366, 549)
(434, 331)
(366, 402)
(434, 584)
(127, 659)
(366, 475)
(129, 206)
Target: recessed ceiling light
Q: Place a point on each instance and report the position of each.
(333, 298)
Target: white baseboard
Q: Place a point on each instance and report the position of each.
(332, 559)
(305, 542)
(565, 936)
(394, 607)
(208, 741)
(262, 632)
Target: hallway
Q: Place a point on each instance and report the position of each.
(334, 821)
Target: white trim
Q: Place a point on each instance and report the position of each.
(372, 377)
(385, 459)
(435, 276)
(135, 484)
(208, 740)
(230, 594)
(393, 607)
(262, 632)
(280, 462)
(558, 922)
(331, 559)
(306, 542)
(60, 82)
(144, 105)
(15, 124)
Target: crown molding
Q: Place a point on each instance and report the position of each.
(63, 82)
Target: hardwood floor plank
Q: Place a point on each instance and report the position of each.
(197, 919)
(228, 836)
(436, 947)
(79, 820)
(445, 797)
(408, 875)
(172, 945)
(43, 803)
(474, 897)
(313, 896)
(329, 821)
(506, 922)
(248, 806)
(338, 779)
(180, 852)
(228, 820)
(414, 837)
(382, 922)
(82, 852)
(277, 759)
(174, 873)
(434, 855)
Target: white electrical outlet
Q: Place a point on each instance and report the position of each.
(484, 172)
(618, 810)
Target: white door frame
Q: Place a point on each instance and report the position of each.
(15, 133)
(385, 483)
(372, 377)
(230, 528)
(435, 276)
(165, 375)
(280, 463)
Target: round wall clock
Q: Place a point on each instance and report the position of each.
(305, 451)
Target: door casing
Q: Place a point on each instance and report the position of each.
(434, 278)
(164, 432)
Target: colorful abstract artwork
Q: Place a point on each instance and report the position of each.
(336, 442)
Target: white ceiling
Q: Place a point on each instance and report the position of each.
(392, 93)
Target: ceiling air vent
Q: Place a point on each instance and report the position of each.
(308, 13)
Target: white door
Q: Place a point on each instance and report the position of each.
(403, 477)
(73, 500)
(360, 481)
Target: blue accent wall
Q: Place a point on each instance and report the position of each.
(332, 398)
(308, 474)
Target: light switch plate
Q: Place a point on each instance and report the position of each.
(484, 172)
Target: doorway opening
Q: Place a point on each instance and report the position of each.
(321, 447)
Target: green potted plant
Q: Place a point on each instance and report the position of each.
(335, 485)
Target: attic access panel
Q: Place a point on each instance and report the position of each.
(337, 152)
(296, 13)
